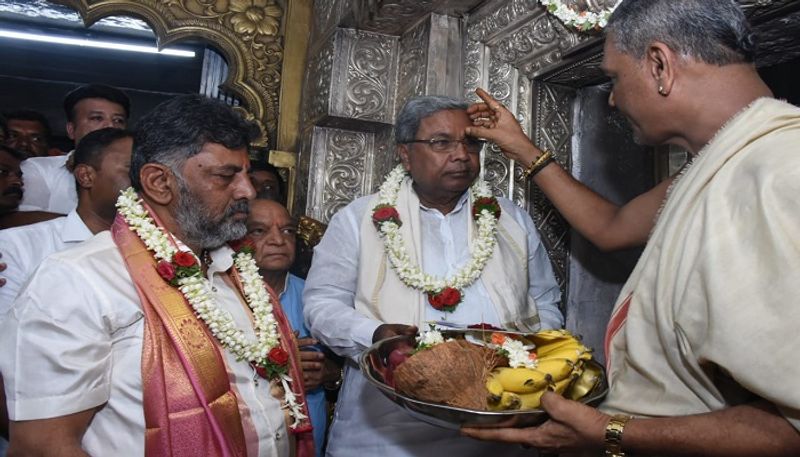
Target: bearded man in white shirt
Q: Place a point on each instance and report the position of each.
(354, 296)
(49, 185)
(140, 341)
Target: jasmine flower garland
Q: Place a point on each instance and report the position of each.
(443, 294)
(265, 352)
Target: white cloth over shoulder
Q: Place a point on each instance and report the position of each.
(365, 422)
(49, 185)
(712, 320)
(73, 342)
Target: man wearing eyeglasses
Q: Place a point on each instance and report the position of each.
(356, 294)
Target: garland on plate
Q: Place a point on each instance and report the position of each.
(443, 294)
(580, 20)
(182, 270)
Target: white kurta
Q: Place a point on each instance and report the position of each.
(25, 247)
(49, 185)
(365, 422)
(73, 341)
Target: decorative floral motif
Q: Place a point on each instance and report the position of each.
(443, 294)
(255, 16)
(183, 270)
(581, 20)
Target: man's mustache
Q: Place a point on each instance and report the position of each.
(239, 206)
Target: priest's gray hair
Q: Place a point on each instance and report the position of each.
(712, 31)
(418, 108)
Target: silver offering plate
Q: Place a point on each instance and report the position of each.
(589, 389)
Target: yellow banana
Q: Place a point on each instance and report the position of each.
(508, 400)
(534, 400)
(557, 368)
(495, 390)
(520, 380)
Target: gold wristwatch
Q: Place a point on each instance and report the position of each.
(614, 431)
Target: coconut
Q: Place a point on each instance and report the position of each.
(451, 373)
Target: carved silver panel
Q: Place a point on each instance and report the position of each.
(553, 131)
(496, 17)
(338, 164)
(317, 93)
(497, 169)
(475, 68)
(397, 16)
(366, 67)
(413, 67)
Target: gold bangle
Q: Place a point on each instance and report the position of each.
(538, 164)
(613, 437)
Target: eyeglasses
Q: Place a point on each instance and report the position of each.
(471, 144)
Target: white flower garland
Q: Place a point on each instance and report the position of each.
(410, 273)
(584, 20)
(198, 292)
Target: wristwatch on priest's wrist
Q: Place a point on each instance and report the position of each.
(613, 437)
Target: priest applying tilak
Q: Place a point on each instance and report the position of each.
(157, 337)
(433, 245)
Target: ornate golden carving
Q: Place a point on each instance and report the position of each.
(245, 32)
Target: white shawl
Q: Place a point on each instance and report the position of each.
(382, 295)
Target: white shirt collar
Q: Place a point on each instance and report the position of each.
(74, 229)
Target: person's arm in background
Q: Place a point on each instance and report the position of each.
(607, 225)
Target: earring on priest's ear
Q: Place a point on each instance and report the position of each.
(661, 90)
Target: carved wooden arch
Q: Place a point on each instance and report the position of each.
(245, 32)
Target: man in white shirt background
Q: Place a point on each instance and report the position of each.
(354, 296)
(102, 164)
(48, 180)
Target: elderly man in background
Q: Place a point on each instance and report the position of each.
(152, 338)
(273, 231)
(355, 296)
(708, 317)
(48, 180)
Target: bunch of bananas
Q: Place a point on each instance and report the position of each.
(559, 361)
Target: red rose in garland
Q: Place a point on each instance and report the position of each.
(244, 245)
(486, 203)
(184, 259)
(385, 213)
(166, 270)
(278, 356)
(445, 300)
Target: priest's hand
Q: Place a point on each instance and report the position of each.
(494, 122)
(312, 363)
(572, 426)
